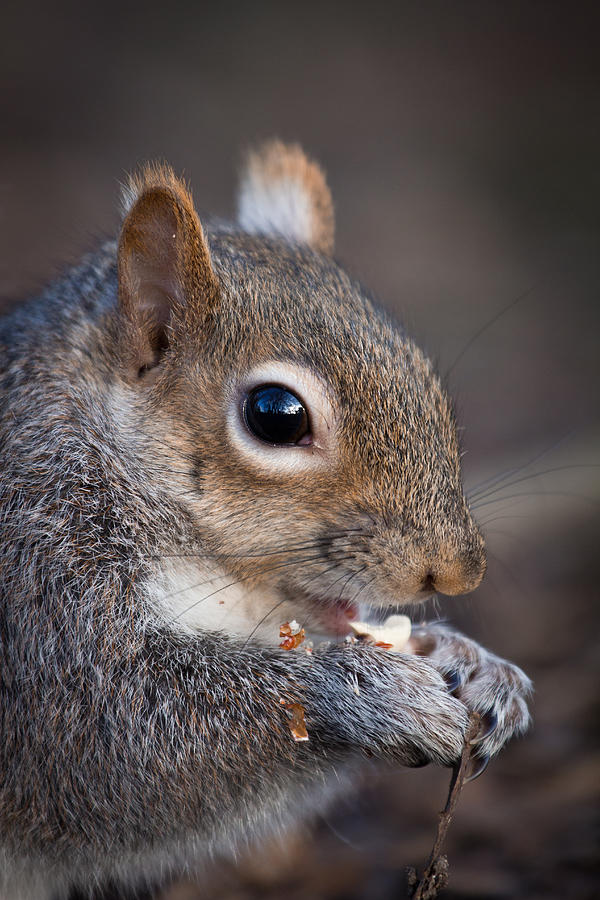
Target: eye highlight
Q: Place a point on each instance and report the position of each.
(275, 415)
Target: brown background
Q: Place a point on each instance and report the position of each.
(462, 144)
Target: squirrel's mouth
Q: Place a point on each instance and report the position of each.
(335, 617)
(325, 617)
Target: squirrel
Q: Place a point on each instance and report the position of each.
(205, 431)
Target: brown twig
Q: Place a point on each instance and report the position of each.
(435, 876)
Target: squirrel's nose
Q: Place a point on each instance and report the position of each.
(458, 575)
(422, 564)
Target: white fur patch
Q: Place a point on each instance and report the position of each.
(201, 597)
(280, 206)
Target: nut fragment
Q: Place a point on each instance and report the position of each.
(292, 635)
(392, 635)
(296, 721)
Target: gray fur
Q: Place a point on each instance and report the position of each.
(131, 748)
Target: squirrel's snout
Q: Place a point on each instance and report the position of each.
(420, 567)
(459, 570)
(459, 578)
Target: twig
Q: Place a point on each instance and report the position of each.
(435, 876)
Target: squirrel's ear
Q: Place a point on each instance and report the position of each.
(284, 193)
(163, 261)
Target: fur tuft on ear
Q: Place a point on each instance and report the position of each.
(284, 193)
(153, 175)
(163, 261)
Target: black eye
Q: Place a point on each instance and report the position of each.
(275, 415)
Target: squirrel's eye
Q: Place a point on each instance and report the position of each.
(275, 415)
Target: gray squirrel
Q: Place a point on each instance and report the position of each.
(206, 432)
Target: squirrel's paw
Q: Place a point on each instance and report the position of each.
(396, 706)
(493, 687)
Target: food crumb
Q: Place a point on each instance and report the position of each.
(292, 634)
(296, 721)
(394, 634)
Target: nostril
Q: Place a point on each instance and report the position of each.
(428, 585)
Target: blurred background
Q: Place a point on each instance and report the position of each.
(462, 146)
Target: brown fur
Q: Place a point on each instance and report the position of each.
(136, 741)
(163, 259)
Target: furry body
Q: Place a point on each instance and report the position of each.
(134, 741)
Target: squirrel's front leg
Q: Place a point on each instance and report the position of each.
(356, 699)
(495, 688)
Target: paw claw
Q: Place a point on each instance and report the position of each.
(481, 764)
(490, 722)
(419, 763)
(453, 681)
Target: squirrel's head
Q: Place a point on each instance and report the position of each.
(308, 438)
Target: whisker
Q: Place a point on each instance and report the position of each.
(519, 538)
(320, 574)
(500, 518)
(233, 583)
(494, 479)
(488, 493)
(342, 837)
(349, 580)
(309, 545)
(489, 324)
(509, 572)
(273, 550)
(570, 494)
(262, 620)
(363, 588)
(337, 580)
